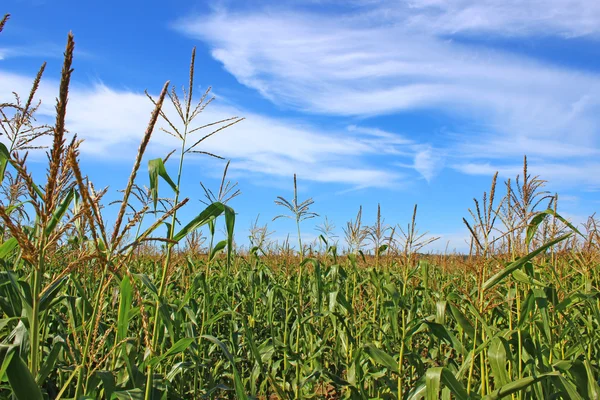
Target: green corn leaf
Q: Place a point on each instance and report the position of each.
(237, 379)
(179, 368)
(593, 388)
(51, 292)
(568, 387)
(527, 307)
(419, 390)
(261, 355)
(539, 218)
(541, 300)
(462, 320)
(518, 385)
(434, 377)
(210, 213)
(444, 334)
(577, 372)
(218, 247)
(4, 158)
(498, 277)
(126, 298)
(498, 355)
(108, 382)
(145, 279)
(11, 301)
(21, 381)
(522, 277)
(382, 358)
(180, 346)
(8, 355)
(156, 168)
(60, 212)
(230, 224)
(572, 301)
(50, 361)
(133, 394)
(24, 292)
(440, 315)
(7, 248)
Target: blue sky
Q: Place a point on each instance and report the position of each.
(368, 101)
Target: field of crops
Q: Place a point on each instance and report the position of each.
(139, 307)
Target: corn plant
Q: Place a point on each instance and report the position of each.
(98, 307)
(298, 211)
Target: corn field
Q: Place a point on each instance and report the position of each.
(142, 308)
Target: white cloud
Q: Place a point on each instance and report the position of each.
(505, 17)
(428, 163)
(324, 65)
(574, 174)
(112, 122)
(383, 58)
(426, 160)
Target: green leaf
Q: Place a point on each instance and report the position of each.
(126, 298)
(50, 362)
(21, 381)
(178, 368)
(23, 290)
(498, 277)
(261, 356)
(148, 283)
(156, 168)
(497, 353)
(382, 358)
(133, 394)
(237, 379)
(50, 293)
(462, 320)
(442, 333)
(60, 212)
(4, 157)
(7, 359)
(593, 388)
(210, 213)
(180, 346)
(569, 388)
(11, 301)
(218, 247)
(230, 223)
(8, 247)
(522, 277)
(108, 382)
(518, 385)
(540, 217)
(433, 379)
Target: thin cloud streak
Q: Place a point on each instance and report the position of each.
(359, 65)
(586, 173)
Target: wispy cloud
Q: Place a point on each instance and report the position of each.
(579, 174)
(426, 159)
(428, 162)
(44, 50)
(567, 18)
(112, 121)
(379, 57)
